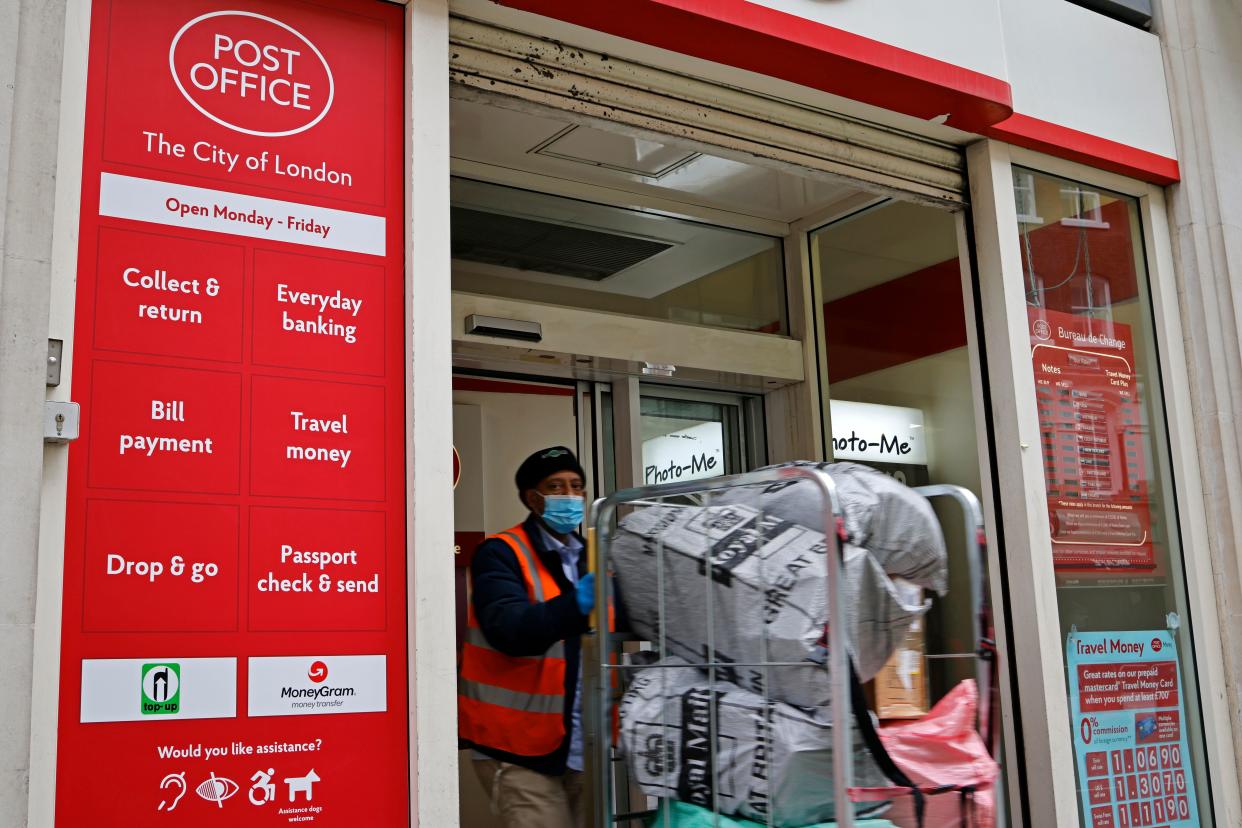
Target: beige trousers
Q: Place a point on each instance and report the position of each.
(523, 798)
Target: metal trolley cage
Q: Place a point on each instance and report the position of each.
(603, 673)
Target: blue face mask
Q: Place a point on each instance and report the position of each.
(563, 513)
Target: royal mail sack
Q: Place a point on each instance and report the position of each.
(767, 756)
(748, 588)
(895, 525)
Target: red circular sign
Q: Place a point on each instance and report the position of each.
(251, 73)
(1156, 646)
(318, 672)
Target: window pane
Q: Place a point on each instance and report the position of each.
(519, 244)
(687, 439)
(899, 376)
(1112, 515)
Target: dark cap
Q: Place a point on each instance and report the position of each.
(543, 463)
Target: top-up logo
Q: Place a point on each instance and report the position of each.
(161, 689)
(251, 73)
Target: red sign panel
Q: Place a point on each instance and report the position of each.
(234, 592)
(1091, 428)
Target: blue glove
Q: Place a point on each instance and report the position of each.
(586, 593)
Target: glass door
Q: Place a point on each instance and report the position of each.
(693, 435)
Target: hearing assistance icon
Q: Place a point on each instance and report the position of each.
(176, 781)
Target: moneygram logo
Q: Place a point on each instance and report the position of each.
(311, 685)
(161, 689)
(251, 73)
(316, 693)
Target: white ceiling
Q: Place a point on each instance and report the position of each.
(539, 144)
(881, 244)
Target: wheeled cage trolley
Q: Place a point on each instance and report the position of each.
(611, 659)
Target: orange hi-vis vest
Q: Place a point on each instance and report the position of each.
(513, 703)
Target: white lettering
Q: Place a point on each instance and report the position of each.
(149, 444)
(321, 559)
(321, 455)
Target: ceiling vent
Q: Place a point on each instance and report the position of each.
(545, 247)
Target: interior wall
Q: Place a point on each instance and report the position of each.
(939, 386)
(513, 426)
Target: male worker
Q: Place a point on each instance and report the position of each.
(519, 702)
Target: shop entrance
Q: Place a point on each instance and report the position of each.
(673, 310)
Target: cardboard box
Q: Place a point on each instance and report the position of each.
(901, 685)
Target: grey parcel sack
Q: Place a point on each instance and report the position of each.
(894, 524)
(742, 587)
(767, 756)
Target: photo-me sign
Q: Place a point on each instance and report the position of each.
(234, 592)
(887, 437)
(694, 453)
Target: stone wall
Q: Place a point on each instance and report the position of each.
(31, 49)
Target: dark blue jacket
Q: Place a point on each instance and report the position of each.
(516, 626)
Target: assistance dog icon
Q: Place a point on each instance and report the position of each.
(302, 784)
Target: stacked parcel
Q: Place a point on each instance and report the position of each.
(744, 581)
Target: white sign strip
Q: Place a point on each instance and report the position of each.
(198, 208)
(317, 685)
(176, 688)
(877, 433)
(694, 453)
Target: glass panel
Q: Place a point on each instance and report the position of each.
(688, 439)
(1113, 519)
(519, 244)
(899, 376)
(609, 446)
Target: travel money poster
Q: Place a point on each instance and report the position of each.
(1129, 723)
(233, 645)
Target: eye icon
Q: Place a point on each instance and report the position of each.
(216, 789)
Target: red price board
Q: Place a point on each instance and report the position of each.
(234, 594)
(1090, 418)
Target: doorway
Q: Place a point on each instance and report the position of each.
(499, 419)
(674, 312)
